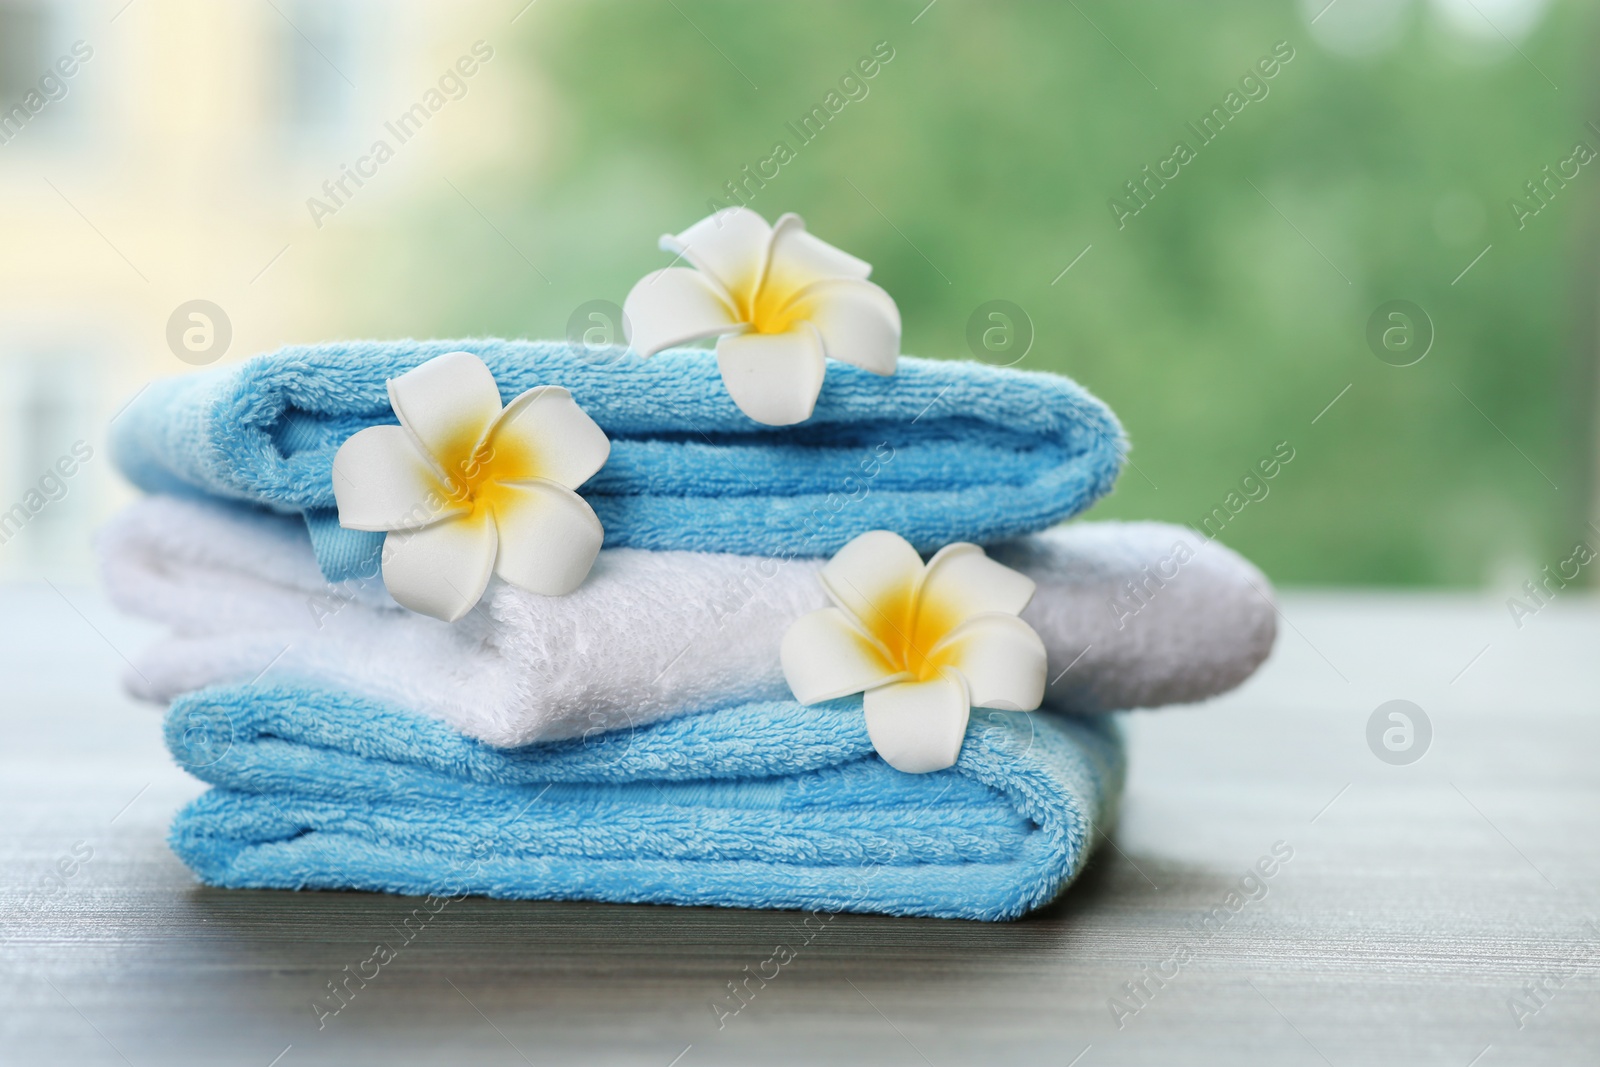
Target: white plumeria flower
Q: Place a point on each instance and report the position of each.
(925, 643)
(466, 488)
(780, 302)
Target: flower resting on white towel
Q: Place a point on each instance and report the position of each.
(780, 302)
(466, 488)
(925, 643)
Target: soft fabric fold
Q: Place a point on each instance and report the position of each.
(650, 634)
(938, 452)
(760, 805)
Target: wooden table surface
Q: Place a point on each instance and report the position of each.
(1441, 912)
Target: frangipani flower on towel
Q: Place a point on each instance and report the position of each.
(779, 301)
(925, 643)
(466, 488)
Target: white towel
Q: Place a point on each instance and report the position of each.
(649, 634)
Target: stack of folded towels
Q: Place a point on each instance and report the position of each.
(637, 739)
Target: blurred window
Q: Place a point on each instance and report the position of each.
(318, 59)
(24, 47)
(34, 36)
(47, 410)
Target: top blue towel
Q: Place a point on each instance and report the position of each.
(939, 452)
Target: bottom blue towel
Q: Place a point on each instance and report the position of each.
(767, 805)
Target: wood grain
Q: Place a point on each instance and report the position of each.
(1419, 900)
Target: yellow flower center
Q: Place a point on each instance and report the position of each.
(771, 308)
(476, 470)
(909, 626)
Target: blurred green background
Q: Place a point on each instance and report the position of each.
(1219, 321)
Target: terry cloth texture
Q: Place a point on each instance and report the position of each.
(767, 805)
(938, 452)
(1131, 614)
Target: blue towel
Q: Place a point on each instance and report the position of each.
(767, 805)
(939, 452)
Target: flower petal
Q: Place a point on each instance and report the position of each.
(443, 569)
(859, 322)
(674, 307)
(448, 402)
(918, 727)
(824, 656)
(962, 581)
(730, 246)
(797, 258)
(549, 536)
(543, 433)
(774, 378)
(381, 481)
(1001, 658)
(874, 579)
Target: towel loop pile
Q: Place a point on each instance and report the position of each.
(635, 740)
